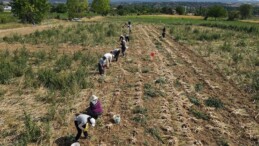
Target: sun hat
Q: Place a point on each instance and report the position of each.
(93, 97)
(92, 120)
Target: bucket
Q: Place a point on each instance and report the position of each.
(117, 119)
(75, 144)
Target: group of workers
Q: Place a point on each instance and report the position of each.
(82, 121)
(113, 55)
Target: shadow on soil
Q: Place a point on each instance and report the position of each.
(64, 141)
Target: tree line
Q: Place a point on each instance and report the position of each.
(34, 11)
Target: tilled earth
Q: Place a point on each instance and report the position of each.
(167, 118)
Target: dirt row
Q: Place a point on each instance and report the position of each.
(168, 119)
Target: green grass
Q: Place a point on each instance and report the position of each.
(229, 25)
(7, 17)
(59, 74)
(78, 34)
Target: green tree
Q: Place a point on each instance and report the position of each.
(1, 8)
(245, 11)
(101, 6)
(60, 8)
(232, 15)
(180, 10)
(216, 12)
(30, 11)
(76, 8)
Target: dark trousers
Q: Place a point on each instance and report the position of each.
(163, 34)
(101, 69)
(79, 131)
(123, 50)
(92, 114)
(116, 56)
(127, 39)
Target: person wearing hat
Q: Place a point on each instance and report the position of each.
(81, 121)
(121, 38)
(116, 53)
(95, 109)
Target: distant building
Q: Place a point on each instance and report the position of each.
(7, 8)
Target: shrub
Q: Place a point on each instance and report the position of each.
(213, 102)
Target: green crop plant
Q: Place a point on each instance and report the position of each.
(154, 133)
(63, 63)
(161, 80)
(226, 47)
(32, 132)
(199, 114)
(194, 100)
(214, 102)
(139, 110)
(198, 87)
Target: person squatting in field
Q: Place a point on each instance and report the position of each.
(116, 53)
(95, 108)
(81, 122)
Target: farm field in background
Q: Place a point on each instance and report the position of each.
(201, 88)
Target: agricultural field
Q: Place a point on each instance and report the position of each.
(201, 87)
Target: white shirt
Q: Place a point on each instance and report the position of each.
(108, 56)
(81, 120)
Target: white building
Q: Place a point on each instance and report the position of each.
(7, 8)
